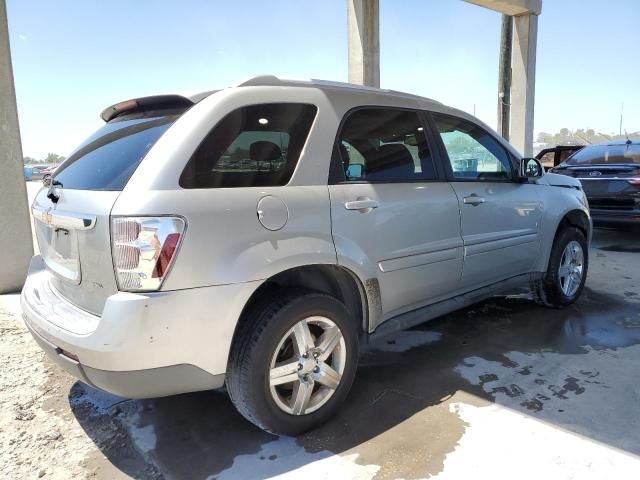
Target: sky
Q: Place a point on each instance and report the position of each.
(71, 59)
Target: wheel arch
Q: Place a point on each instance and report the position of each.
(577, 218)
(334, 280)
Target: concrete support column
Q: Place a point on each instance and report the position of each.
(504, 76)
(16, 245)
(523, 82)
(363, 20)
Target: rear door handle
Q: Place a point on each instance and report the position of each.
(473, 199)
(362, 204)
(62, 219)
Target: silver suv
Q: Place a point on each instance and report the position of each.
(257, 236)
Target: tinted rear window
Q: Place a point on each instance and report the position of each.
(107, 159)
(257, 145)
(599, 154)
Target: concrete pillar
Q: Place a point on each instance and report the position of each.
(16, 245)
(504, 76)
(523, 82)
(363, 20)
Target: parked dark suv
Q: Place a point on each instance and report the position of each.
(610, 176)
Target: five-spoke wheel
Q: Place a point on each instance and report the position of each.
(307, 365)
(566, 273)
(294, 362)
(571, 268)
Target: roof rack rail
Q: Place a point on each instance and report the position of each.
(272, 80)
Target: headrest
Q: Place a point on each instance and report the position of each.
(264, 151)
(391, 156)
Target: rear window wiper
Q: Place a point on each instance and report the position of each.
(51, 194)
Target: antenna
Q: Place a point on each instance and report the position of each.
(621, 114)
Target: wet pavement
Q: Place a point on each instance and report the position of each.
(503, 385)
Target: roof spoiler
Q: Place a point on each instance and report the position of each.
(145, 103)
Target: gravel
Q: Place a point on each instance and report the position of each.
(52, 426)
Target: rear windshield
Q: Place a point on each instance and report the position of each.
(256, 145)
(599, 154)
(107, 159)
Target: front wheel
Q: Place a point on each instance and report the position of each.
(566, 274)
(293, 363)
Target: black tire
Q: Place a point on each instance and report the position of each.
(255, 343)
(547, 290)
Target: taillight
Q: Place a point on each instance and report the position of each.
(634, 179)
(143, 249)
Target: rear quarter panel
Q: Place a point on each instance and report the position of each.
(224, 241)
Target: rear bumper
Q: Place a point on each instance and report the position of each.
(143, 345)
(152, 382)
(619, 217)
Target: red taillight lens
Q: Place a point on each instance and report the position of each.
(166, 254)
(143, 249)
(634, 180)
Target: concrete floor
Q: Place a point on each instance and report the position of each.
(504, 389)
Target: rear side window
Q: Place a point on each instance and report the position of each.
(385, 145)
(253, 146)
(107, 159)
(599, 154)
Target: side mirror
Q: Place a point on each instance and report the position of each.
(530, 168)
(354, 170)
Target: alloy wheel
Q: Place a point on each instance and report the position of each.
(571, 268)
(307, 365)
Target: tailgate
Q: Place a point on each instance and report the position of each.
(73, 236)
(74, 231)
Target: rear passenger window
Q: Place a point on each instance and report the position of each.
(385, 145)
(473, 153)
(254, 146)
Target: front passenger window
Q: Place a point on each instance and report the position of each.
(473, 153)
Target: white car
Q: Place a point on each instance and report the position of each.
(258, 235)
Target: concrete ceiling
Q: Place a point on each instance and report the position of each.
(511, 7)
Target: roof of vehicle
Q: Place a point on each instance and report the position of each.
(564, 147)
(612, 143)
(184, 101)
(272, 80)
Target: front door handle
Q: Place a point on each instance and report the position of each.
(363, 204)
(473, 199)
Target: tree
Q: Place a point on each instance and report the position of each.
(544, 137)
(54, 158)
(29, 160)
(460, 146)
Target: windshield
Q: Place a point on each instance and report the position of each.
(107, 159)
(606, 154)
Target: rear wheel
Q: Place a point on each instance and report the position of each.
(566, 274)
(293, 363)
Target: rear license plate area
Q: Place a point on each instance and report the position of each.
(59, 250)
